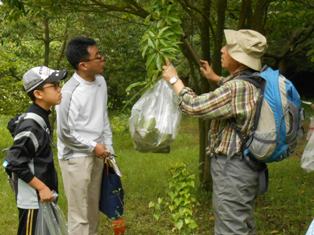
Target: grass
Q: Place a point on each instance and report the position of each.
(286, 209)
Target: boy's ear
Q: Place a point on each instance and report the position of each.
(38, 94)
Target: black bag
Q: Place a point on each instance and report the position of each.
(112, 195)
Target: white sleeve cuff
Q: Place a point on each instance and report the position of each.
(92, 145)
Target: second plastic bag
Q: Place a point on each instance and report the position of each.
(310, 230)
(155, 119)
(307, 159)
(50, 220)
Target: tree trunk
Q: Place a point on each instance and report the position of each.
(203, 125)
(61, 54)
(245, 15)
(205, 40)
(259, 16)
(221, 12)
(62, 49)
(46, 41)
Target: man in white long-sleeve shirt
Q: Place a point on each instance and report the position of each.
(84, 135)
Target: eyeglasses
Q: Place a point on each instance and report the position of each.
(54, 85)
(97, 57)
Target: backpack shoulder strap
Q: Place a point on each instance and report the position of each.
(255, 79)
(260, 83)
(38, 119)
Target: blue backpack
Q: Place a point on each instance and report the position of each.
(277, 123)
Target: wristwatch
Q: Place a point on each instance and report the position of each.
(173, 80)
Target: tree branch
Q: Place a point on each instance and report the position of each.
(295, 45)
(132, 8)
(307, 3)
(190, 51)
(189, 8)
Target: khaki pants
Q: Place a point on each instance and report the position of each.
(82, 180)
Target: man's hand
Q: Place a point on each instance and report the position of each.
(169, 71)
(208, 72)
(101, 151)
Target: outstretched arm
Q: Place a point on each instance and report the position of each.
(170, 72)
(208, 72)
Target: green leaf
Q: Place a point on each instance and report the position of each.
(151, 34)
(171, 50)
(179, 225)
(133, 85)
(192, 224)
(150, 43)
(156, 216)
(151, 204)
(160, 200)
(150, 60)
(147, 19)
(144, 51)
(162, 30)
(158, 62)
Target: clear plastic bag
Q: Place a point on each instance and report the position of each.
(311, 128)
(307, 159)
(310, 230)
(155, 119)
(50, 220)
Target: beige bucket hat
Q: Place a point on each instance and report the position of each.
(246, 46)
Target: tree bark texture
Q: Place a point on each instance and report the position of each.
(46, 41)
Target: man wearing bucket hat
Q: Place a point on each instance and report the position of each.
(29, 161)
(231, 107)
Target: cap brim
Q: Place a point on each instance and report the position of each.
(57, 76)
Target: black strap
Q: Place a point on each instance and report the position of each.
(256, 80)
(38, 119)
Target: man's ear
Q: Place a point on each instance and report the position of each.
(82, 66)
(38, 94)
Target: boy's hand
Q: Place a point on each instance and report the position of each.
(46, 195)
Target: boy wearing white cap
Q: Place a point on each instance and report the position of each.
(231, 107)
(29, 161)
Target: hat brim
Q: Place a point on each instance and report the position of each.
(56, 76)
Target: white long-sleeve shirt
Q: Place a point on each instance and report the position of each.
(82, 117)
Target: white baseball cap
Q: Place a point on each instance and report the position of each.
(39, 75)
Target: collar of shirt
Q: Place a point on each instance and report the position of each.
(83, 81)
